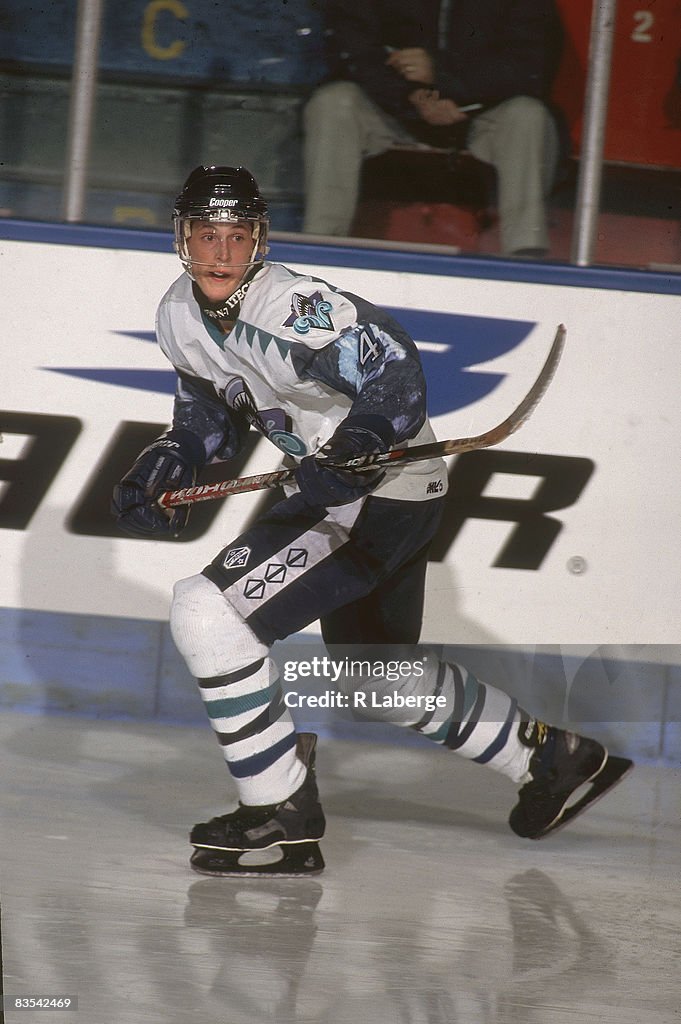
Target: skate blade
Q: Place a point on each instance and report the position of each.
(286, 861)
(613, 771)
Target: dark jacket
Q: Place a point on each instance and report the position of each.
(485, 51)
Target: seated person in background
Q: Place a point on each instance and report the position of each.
(473, 73)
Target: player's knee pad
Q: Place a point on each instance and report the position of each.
(210, 635)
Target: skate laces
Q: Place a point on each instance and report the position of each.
(543, 772)
(246, 816)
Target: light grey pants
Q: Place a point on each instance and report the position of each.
(343, 127)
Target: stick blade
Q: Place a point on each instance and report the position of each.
(524, 410)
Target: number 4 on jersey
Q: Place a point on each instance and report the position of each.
(369, 348)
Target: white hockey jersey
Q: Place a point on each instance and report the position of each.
(310, 355)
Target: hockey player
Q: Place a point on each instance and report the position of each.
(325, 376)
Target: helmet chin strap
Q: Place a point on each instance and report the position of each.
(253, 266)
(226, 311)
(221, 263)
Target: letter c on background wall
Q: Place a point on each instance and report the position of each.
(151, 13)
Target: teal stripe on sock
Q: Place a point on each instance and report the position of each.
(230, 707)
(440, 735)
(470, 693)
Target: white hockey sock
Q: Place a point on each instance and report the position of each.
(450, 706)
(481, 723)
(255, 729)
(240, 688)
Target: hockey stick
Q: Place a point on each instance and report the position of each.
(398, 456)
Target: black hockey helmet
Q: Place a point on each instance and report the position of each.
(224, 195)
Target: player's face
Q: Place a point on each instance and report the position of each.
(219, 253)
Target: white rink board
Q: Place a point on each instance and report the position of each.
(613, 401)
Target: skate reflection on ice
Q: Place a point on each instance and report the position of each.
(555, 951)
(548, 935)
(261, 934)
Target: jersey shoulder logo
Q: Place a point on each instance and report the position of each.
(309, 312)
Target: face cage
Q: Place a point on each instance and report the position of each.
(182, 226)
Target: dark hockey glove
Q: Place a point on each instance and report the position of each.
(168, 463)
(322, 485)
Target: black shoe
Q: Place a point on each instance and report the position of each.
(562, 763)
(294, 826)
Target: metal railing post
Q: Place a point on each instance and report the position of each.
(587, 203)
(81, 108)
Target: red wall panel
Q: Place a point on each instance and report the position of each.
(644, 113)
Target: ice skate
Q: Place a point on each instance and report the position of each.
(277, 839)
(562, 764)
